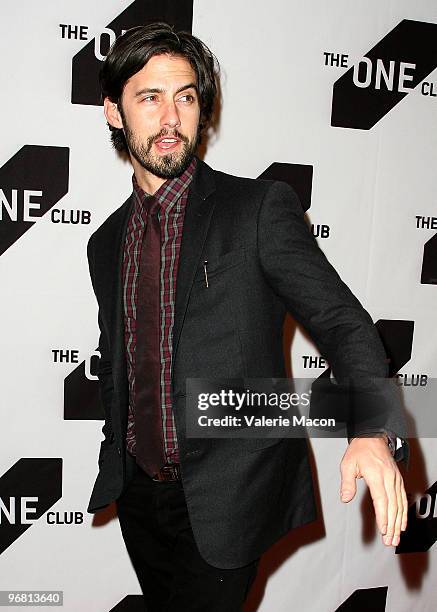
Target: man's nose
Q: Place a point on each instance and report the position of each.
(170, 117)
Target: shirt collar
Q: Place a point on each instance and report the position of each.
(170, 191)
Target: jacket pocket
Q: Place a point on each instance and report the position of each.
(216, 265)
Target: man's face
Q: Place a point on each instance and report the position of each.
(160, 112)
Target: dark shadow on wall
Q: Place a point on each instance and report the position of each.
(415, 566)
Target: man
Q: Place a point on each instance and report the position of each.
(193, 276)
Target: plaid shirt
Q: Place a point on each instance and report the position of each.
(172, 196)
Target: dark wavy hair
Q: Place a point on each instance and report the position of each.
(133, 49)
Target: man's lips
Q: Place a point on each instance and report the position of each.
(167, 142)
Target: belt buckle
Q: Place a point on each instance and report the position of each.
(168, 473)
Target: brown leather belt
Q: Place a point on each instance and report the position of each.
(170, 472)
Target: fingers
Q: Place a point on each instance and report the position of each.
(392, 505)
(405, 507)
(348, 486)
(400, 512)
(390, 502)
(402, 515)
(380, 500)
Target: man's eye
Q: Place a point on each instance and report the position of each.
(187, 98)
(150, 98)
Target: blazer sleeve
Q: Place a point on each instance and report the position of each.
(313, 292)
(104, 372)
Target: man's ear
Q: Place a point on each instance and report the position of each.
(112, 113)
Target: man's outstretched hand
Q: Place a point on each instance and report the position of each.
(370, 458)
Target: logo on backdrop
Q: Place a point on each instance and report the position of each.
(300, 177)
(81, 393)
(397, 337)
(27, 490)
(131, 603)
(365, 599)
(31, 183)
(429, 262)
(384, 76)
(86, 63)
(421, 532)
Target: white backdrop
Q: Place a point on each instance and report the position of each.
(368, 186)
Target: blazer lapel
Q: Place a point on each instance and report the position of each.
(200, 206)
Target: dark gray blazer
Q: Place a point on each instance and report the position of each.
(242, 495)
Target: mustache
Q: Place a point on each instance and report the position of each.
(167, 134)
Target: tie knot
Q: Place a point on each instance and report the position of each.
(151, 205)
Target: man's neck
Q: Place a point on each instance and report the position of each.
(148, 182)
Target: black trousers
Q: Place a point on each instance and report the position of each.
(173, 576)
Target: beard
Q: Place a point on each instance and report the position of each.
(165, 166)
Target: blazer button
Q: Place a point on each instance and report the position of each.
(112, 438)
(119, 450)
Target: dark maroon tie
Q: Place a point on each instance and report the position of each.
(148, 423)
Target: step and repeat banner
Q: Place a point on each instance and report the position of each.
(340, 100)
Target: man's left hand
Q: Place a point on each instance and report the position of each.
(370, 458)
